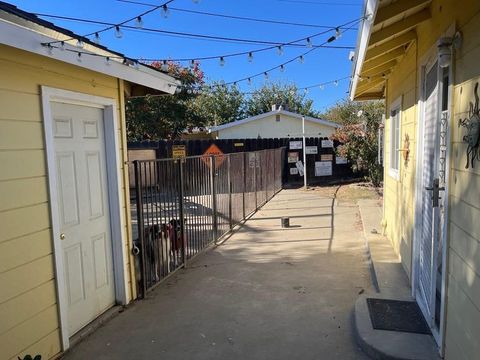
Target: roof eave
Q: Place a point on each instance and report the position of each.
(369, 13)
(30, 39)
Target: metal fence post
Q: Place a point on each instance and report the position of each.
(229, 181)
(182, 213)
(244, 184)
(255, 180)
(140, 226)
(214, 197)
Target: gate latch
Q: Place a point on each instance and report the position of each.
(435, 189)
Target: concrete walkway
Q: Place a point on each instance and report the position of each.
(266, 293)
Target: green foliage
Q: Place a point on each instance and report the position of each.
(359, 134)
(165, 116)
(220, 104)
(287, 95)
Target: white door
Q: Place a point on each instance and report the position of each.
(84, 220)
(430, 267)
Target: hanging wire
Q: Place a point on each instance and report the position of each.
(117, 25)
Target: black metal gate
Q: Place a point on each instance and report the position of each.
(182, 206)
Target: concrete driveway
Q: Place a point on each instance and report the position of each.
(266, 293)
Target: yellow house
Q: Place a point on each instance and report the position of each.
(423, 58)
(64, 220)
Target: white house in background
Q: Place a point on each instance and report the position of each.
(277, 123)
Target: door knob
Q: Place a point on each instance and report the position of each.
(62, 236)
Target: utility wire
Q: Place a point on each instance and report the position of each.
(319, 2)
(269, 21)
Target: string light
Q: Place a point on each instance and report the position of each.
(301, 59)
(96, 38)
(309, 42)
(62, 45)
(107, 60)
(164, 66)
(338, 33)
(139, 22)
(136, 65)
(336, 82)
(249, 81)
(265, 75)
(192, 63)
(280, 50)
(165, 11)
(222, 61)
(118, 32)
(282, 68)
(79, 44)
(250, 57)
(322, 87)
(79, 57)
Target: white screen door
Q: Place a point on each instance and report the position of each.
(429, 261)
(79, 143)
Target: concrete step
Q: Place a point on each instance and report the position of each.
(390, 345)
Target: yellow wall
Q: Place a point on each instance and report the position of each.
(28, 307)
(463, 279)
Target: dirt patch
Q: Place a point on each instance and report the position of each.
(350, 193)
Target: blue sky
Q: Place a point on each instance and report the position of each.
(321, 65)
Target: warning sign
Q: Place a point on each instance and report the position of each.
(179, 151)
(213, 150)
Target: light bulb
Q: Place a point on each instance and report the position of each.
(265, 75)
(96, 38)
(222, 61)
(79, 57)
(192, 63)
(107, 60)
(118, 32)
(280, 50)
(164, 66)
(249, 81)
(305, 91)
(234, 83)
(165, 11)
(250, 57)
(335, 82)
(301, 59)
(282, 68)
(139, 22)
(309, 42)
(62, 45)
(321, 87)
(136, 65)
(338, 33)
(79, 43)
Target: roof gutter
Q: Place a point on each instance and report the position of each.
(369, 13)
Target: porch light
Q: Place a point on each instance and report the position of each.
(445, 46)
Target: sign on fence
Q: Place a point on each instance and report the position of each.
(340, 160)
(292, 157)
(213, 150)
(311, 150)
(323, 168)
(326, 157)
(295, 145)
(300, 167)
(179, 151)
(327, 144)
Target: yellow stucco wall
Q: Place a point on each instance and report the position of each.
(268, 127)
(463, 269)
(28, 306)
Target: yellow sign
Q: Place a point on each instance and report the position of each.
(237, 144)
(215, 151)
(179, 151)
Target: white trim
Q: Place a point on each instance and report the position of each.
(24, 38)
(276, 112)
(395, 106)
(114, 190)
(370, 7)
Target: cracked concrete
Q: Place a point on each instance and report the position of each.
(266, 293)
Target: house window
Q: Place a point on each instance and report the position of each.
(277, 118)
(395, 117)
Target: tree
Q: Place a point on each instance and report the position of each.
(219, 104)
(165, 116)
(359, 135)
(287, 95)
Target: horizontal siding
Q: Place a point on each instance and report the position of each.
(22, 164)
(30, 191)
(23, 221)
(29, 332)
(25, 249)
(48, 346)
(21, 135)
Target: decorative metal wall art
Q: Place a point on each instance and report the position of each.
(472, 124)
